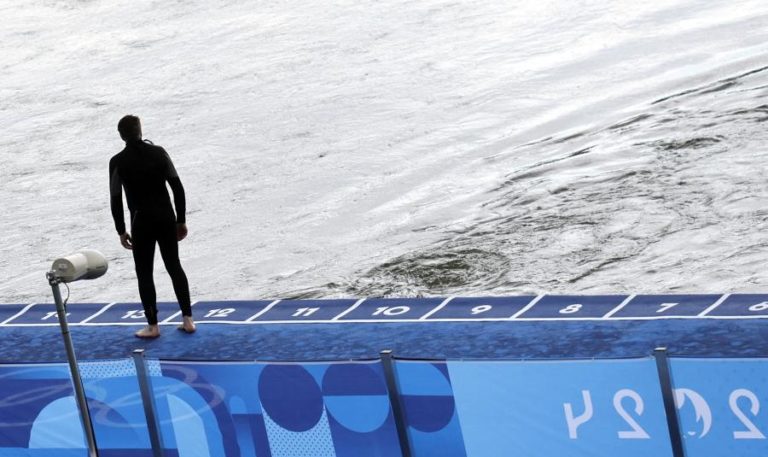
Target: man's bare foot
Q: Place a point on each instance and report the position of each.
(150, 331)
(188, 325)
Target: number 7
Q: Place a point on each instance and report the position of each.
(666, 306)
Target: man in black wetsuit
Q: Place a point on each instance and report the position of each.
(143, 169)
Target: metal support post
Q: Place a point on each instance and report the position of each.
(82, 402)
(387, 362)
(668, 395)
(148, 399)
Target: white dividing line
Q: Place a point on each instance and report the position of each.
(349, 310)
(527, 307)
(23, 310)
(621, 305)
(31, 325)
(103, 324)
(98, 313)
(169, 319)
(714, 305)
(436, 309)
(260, 313)
(221, 322)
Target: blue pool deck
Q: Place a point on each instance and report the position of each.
(514, 327)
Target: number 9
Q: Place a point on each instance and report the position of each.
(481, 309)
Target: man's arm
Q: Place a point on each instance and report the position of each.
(116, 205)
(116, 198)
(179, 198)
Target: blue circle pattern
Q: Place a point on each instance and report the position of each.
(427, 396)
(356, 397)
(291, 397)
(357, 379)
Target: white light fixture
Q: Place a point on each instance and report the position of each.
(85, 264)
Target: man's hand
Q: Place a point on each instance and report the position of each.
(126, 241)
(181, 231)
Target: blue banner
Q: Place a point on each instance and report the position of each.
(275, 410)
(722, 406)
(39, 415)
(429, 409)
(590, 408)
(204, 410)
(574, 408)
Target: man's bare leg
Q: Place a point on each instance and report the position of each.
(150, 331)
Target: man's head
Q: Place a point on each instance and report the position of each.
(129, 128)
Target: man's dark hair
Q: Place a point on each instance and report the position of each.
(129, 127)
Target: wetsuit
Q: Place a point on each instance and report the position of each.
(142, 169)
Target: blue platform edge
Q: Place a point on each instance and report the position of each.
(515, 327)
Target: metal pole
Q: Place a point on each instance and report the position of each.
(148, 399)
(668, 395)
(394, 399)
(77, 382)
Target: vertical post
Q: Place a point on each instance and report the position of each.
(387, 362)
(77, 382)
(148, 399)
(668, 394)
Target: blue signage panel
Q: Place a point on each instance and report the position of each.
(377, 309)
(429, 409)
(39, 415)
(722, 406)
(565, 408)
(667, 306)
(742, 305)
(116, 407)
(482, 308)
(38, 411)
(573, 306)
(281, 409)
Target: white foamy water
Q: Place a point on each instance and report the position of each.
(396, 148)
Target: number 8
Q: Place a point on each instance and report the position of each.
(570, 309)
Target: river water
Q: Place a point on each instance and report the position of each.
(396, 148)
